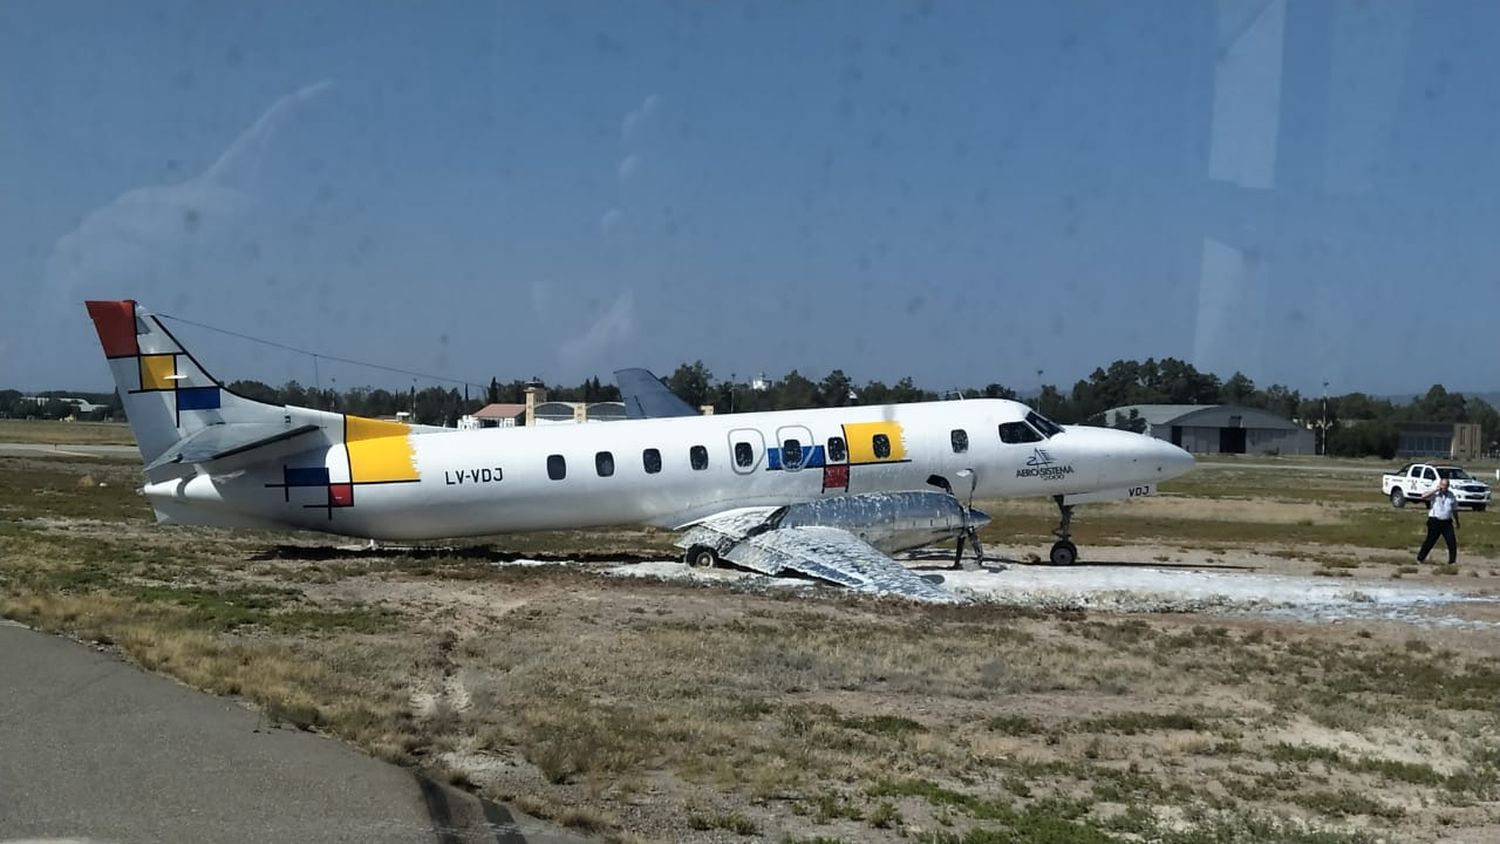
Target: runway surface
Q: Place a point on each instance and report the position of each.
(97, 750)
(66, 450)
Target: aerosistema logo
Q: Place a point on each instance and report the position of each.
(1042, 465)
(1039, 457)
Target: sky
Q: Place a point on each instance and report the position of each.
(963, 193)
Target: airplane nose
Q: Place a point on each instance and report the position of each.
(978, 519)
(1171, 461)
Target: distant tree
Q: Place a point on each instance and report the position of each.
(1050, 403)
(691, 382)
(1439, 405)
(795, 391)
(1237, 390)
(906, 390)
(835, 390)
(1364, 439)
(1280, 400)
(256, 390)
(995, 391)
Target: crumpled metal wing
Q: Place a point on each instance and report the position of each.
(826, 553)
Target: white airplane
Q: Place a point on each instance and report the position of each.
(824, 492)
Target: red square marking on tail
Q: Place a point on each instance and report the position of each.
(341, 495)
(115, 322)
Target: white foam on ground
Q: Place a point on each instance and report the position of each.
(1147, 589)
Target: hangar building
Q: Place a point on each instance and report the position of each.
(1450, 440)
(1217, 428)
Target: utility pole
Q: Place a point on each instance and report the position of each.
(1325, 419)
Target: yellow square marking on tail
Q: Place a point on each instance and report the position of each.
(861, 441)
(379, 451)
(157, 372)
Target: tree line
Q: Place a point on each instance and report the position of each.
(1357, 424)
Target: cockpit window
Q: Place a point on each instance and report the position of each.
(1018, 432)
(1045, 426)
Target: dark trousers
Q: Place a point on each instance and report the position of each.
(1436, 528)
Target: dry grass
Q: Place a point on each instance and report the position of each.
(65, 433)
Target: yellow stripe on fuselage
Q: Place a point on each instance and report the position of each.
(860, 438)
(379, 451)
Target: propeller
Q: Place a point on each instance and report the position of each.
(969, 532)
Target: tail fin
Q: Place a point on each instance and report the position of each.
(168, 396)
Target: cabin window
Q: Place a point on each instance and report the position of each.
(557, 467)
(1429, 474)
(882, 445)
(960, 439)
(651, 459)
(604, 464)
(1018, 432)
(699, 457)
(791, 455)
(744, 455)
(837, 451)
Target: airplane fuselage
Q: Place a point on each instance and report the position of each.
(391, 484)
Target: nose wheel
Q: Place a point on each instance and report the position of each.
(1064, 552)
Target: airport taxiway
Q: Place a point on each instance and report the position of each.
(97, 750)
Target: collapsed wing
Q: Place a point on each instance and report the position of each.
(747, 537)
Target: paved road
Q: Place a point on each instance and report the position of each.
(66, 450)
(1372, 471)
(92, 748)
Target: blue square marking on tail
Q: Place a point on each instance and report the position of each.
(198, 398)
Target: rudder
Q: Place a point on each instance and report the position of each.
(166, 393)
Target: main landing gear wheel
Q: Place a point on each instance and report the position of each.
(1398, 498)
(701, 557)
(1064, 552)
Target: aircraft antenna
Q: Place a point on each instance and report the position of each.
(316, 355)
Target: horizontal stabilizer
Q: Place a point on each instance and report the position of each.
(217, 442)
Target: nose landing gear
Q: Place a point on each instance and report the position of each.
(1064, 552)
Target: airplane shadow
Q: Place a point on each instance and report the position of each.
(469, 553)
(458, 815)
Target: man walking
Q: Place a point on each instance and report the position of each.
(1442, 520)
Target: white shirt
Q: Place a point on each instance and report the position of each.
(1443, 505)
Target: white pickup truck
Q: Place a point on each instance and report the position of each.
(1417, 479)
